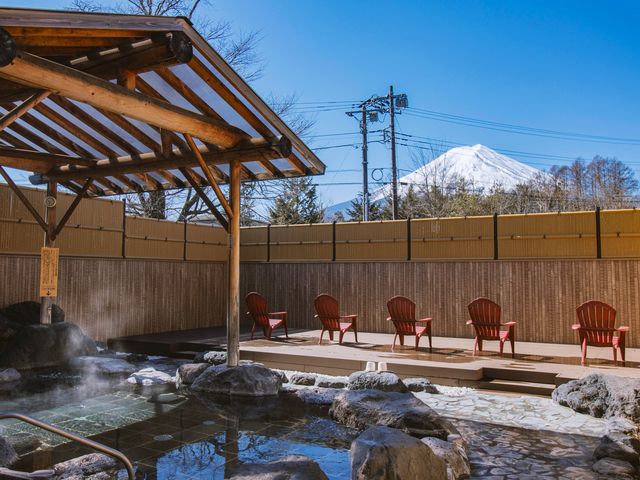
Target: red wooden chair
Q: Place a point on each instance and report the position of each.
(403, 316)
(257, 306)
(327, 309)
(485, 317)
(596, 328)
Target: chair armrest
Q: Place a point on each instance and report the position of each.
(315, 316)
(349, 316)
(424, 320)
(623, 329)
(509, 324)
(576, 327)
(277, 313)
(389, 319)
(469, 322)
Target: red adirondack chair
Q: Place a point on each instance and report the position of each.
(257, 306)
(403, 316)
(327, 309)
(596, 328)
(485, 317)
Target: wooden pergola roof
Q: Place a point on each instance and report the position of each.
(135, 103)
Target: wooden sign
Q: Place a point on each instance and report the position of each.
(49, 272)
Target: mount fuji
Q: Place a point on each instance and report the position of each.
(481, 166)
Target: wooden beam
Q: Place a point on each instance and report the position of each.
(35, 139)
(165, 137)
(71, 209)
(16, 142)
(189, 95)
(24, 199)
(126, 79)
(221, 220)
(147, 162)
(207, 173)
(8, 48)
(11, 157)
(23, 108)
(65, 81)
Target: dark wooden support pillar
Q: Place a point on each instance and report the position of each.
(50, 219)
(233, 313)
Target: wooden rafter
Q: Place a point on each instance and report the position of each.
(23, 108)
(216, 213)
(34, 71)
(71, 209)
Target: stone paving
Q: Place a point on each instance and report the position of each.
(522, 437)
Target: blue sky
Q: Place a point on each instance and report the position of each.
(563, 66)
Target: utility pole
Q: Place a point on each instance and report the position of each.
(394, 176)
(365, 169)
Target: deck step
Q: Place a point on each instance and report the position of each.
(516, 386)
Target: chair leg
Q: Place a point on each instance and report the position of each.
(584, 350)
(501, 347)
(340, 338)
(393, 345)
(269, 333)
(475, 345)
(513, 343)
(417, 342)
(330, 335)
(253, 330)
(321, 333)
(286, 330)
(401, 340)
(430, 340)
(355, 332)
(615, 357)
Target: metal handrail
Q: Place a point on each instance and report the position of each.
(73, 436)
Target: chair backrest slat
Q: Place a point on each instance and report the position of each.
(257, 306)
(598, 321)
(403, 314)
(327, 309)
(485, 317)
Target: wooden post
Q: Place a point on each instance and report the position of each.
(598, 236)
(124, 226)
(233, 313)
(50, 218)
(495, 236)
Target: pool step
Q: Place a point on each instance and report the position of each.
(516, 386)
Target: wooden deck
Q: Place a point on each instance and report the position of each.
(537, 367)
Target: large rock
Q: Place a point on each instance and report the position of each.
(384, 381)
(211, 357)
(618, 451)
(325, 381)
(302, 378)
(454, 456)
(101, 366)
(420, 385)
(621, 425)
(51, 345)
(383, 453)
(253, 380)
(362, 409)
(80, 467)
(28, 313)
(149, 377)
(9, 375)
(8, 455)
(188, 372)
(320, 397)
(287, 468)
(612, 468)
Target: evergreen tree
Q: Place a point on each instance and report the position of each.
(297, 203)
(357, 215)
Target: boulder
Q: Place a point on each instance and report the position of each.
(188, 372)
(137, 357)
(8, 456)
(420, 385)
(51, 345)
(9, 375)
(324, 381)
(384, 381)
(287, 468)
(303, 379)
(618, 451)
(282, 375)
(362, 409)
(454, 456)
(101, 366)
(211, 357)
(601, 395)
(150, 376)
(621, 425)
(253, 380)
(628, 441)
(86, 465)
(321, 397)
(28, 313)
(384, 453)
(612, 468)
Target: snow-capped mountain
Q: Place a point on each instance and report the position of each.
(483, 167)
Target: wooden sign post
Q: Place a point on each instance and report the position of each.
(48, 275)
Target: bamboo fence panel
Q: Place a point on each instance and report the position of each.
(207, 243)
(541, 296)
(620, 233)
(149, 238)
(301, 242)
(371, 240)
(253, 244)
(109, 298)
(445, 238)
(547, 235)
